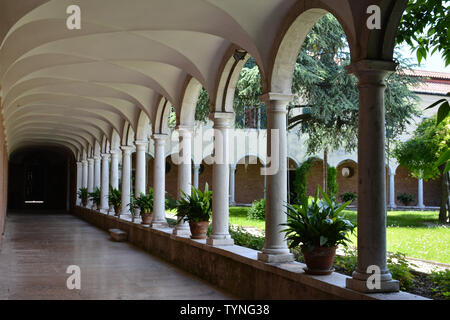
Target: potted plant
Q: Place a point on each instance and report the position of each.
(318, 227)
(83, 194)
(115, 199)
(145, 204)
(95, 197)
(196, 209)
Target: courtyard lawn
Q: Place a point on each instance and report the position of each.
(414, 233)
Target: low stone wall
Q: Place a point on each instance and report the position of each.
(233, 268)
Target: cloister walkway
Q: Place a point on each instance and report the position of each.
(38, 248)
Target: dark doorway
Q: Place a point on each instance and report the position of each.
(40, 178)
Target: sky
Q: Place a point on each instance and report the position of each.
(432, 63)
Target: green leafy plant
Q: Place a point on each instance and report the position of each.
(405, 198)
(347, 262)
(83, 194)
(144, 202)
(196, 207)
(320, 223)
(349, 196)
(332, 183)
(400, 269)
(258, 210)
(170, 203)
(441, 281)
(300, 181)
(115, 197)
(95, 196)
(245, 239)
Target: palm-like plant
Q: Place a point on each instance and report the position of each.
(144, 202)
(320, 223)
(95, 196)
(115, 198)
(196, 207)
(83, 194)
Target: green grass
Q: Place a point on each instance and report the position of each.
(417, 234)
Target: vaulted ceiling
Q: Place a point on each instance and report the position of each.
(74, 87)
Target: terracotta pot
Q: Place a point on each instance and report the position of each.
(117, 210)
(320, 260)
(84, 202)
(199, 229)
(147, 218)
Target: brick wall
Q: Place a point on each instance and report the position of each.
(249, 183)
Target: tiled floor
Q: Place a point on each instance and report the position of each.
(38, 248)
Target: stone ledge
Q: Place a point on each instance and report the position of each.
(235, 268)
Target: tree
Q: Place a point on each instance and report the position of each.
(420, 154)
(424, 27)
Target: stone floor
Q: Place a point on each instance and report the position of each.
(38, 248)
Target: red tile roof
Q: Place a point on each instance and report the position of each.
(435, 82)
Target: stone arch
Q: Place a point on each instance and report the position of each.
(287, 46)
(186, 114)
(143, 127)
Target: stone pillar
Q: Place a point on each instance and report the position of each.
(232, 183)
(184, 174)
(140, 179)
(90, 185)
(115, 169)
(126, 179)
(159, 183)
(220, 235)
(114, 177)
(196, 175)
(79, 180)
(275, 246)
(84, 177)
(104, 203)
(97, 172)
(420, 194)
(392, 189)
(371, 177)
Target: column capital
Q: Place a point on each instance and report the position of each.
(79, 163)
(275, 96)
(84, 161)
(90, 160)
(141, 142)
(196, 165)
(233, 166)
(127, 149)
(371, 71)
(159, 136)
(223, 120)
(106, 156)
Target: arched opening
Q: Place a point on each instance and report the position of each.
(249, 182)
(41, 178)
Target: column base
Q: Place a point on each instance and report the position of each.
(159, 224)
(181, 232)
(275, 258)
(225, 241)
(361, 286)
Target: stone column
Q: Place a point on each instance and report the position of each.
(220, 235)
(126, 178)
(84, 177)
(79, 180)
(184, 174)
(140, 179)
(90, 185)
(104, 203)
(232, 183)
(115, 169)
(371, 177)
(97, 172)
(275, 246)
(196, 175)
(114, 177)
(392, 189)
(159, 183)
(420, 193)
